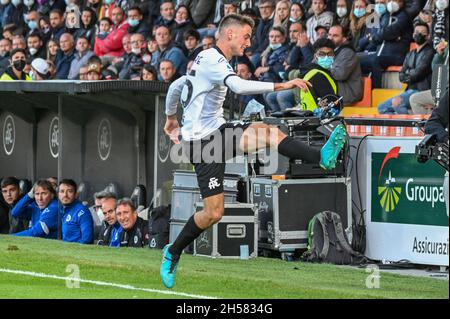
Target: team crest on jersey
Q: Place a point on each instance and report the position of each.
(136, 239)
(213, 183)
(68, 218)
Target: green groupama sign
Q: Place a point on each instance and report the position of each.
(405, 191)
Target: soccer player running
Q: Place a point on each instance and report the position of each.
(201, 93)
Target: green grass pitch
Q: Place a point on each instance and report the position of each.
(137, 269)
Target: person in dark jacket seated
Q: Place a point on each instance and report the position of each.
(135, 229)
(111, 229)
(416, 72)
(65, 55)
(77, 222)
(136, 22)
(41, 207)
(273, 58)
(392, 41)
(11, 194)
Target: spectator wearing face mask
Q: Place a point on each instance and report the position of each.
(183, 23)
(392, 40)
(297, 13)
(136, 22)
(318, 74)
(273, 58)
(343, 10)
(36, 46)
(358, 18)
(32, 22)
(440, 27)
(17, 65)
(415, 72)
(366, 45)
(138, 57)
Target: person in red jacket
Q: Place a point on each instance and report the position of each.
(112, 44)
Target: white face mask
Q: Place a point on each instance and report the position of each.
(341, 11)
(16, 2)
(33, 51)
(28, 3)
(136, 51)
(4, 2)
(393, 6)
(441, 4)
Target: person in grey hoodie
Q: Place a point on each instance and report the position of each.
(81, 57)
(320, 17)
(346, 69)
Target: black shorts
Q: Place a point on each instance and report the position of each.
(209, 155)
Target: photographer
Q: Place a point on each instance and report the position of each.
(438, 124)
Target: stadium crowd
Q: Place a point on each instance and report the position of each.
(159, 40)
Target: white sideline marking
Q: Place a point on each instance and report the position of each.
(102, 283)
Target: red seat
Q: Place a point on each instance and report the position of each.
(366, 100)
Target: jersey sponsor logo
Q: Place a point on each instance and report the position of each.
(213, 183)
(80, 213)
(53, 137)
(9, 135)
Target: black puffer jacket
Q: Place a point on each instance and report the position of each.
(416, 70)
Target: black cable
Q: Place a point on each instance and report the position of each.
(361, 225)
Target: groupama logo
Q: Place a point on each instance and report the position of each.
(387, 189)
